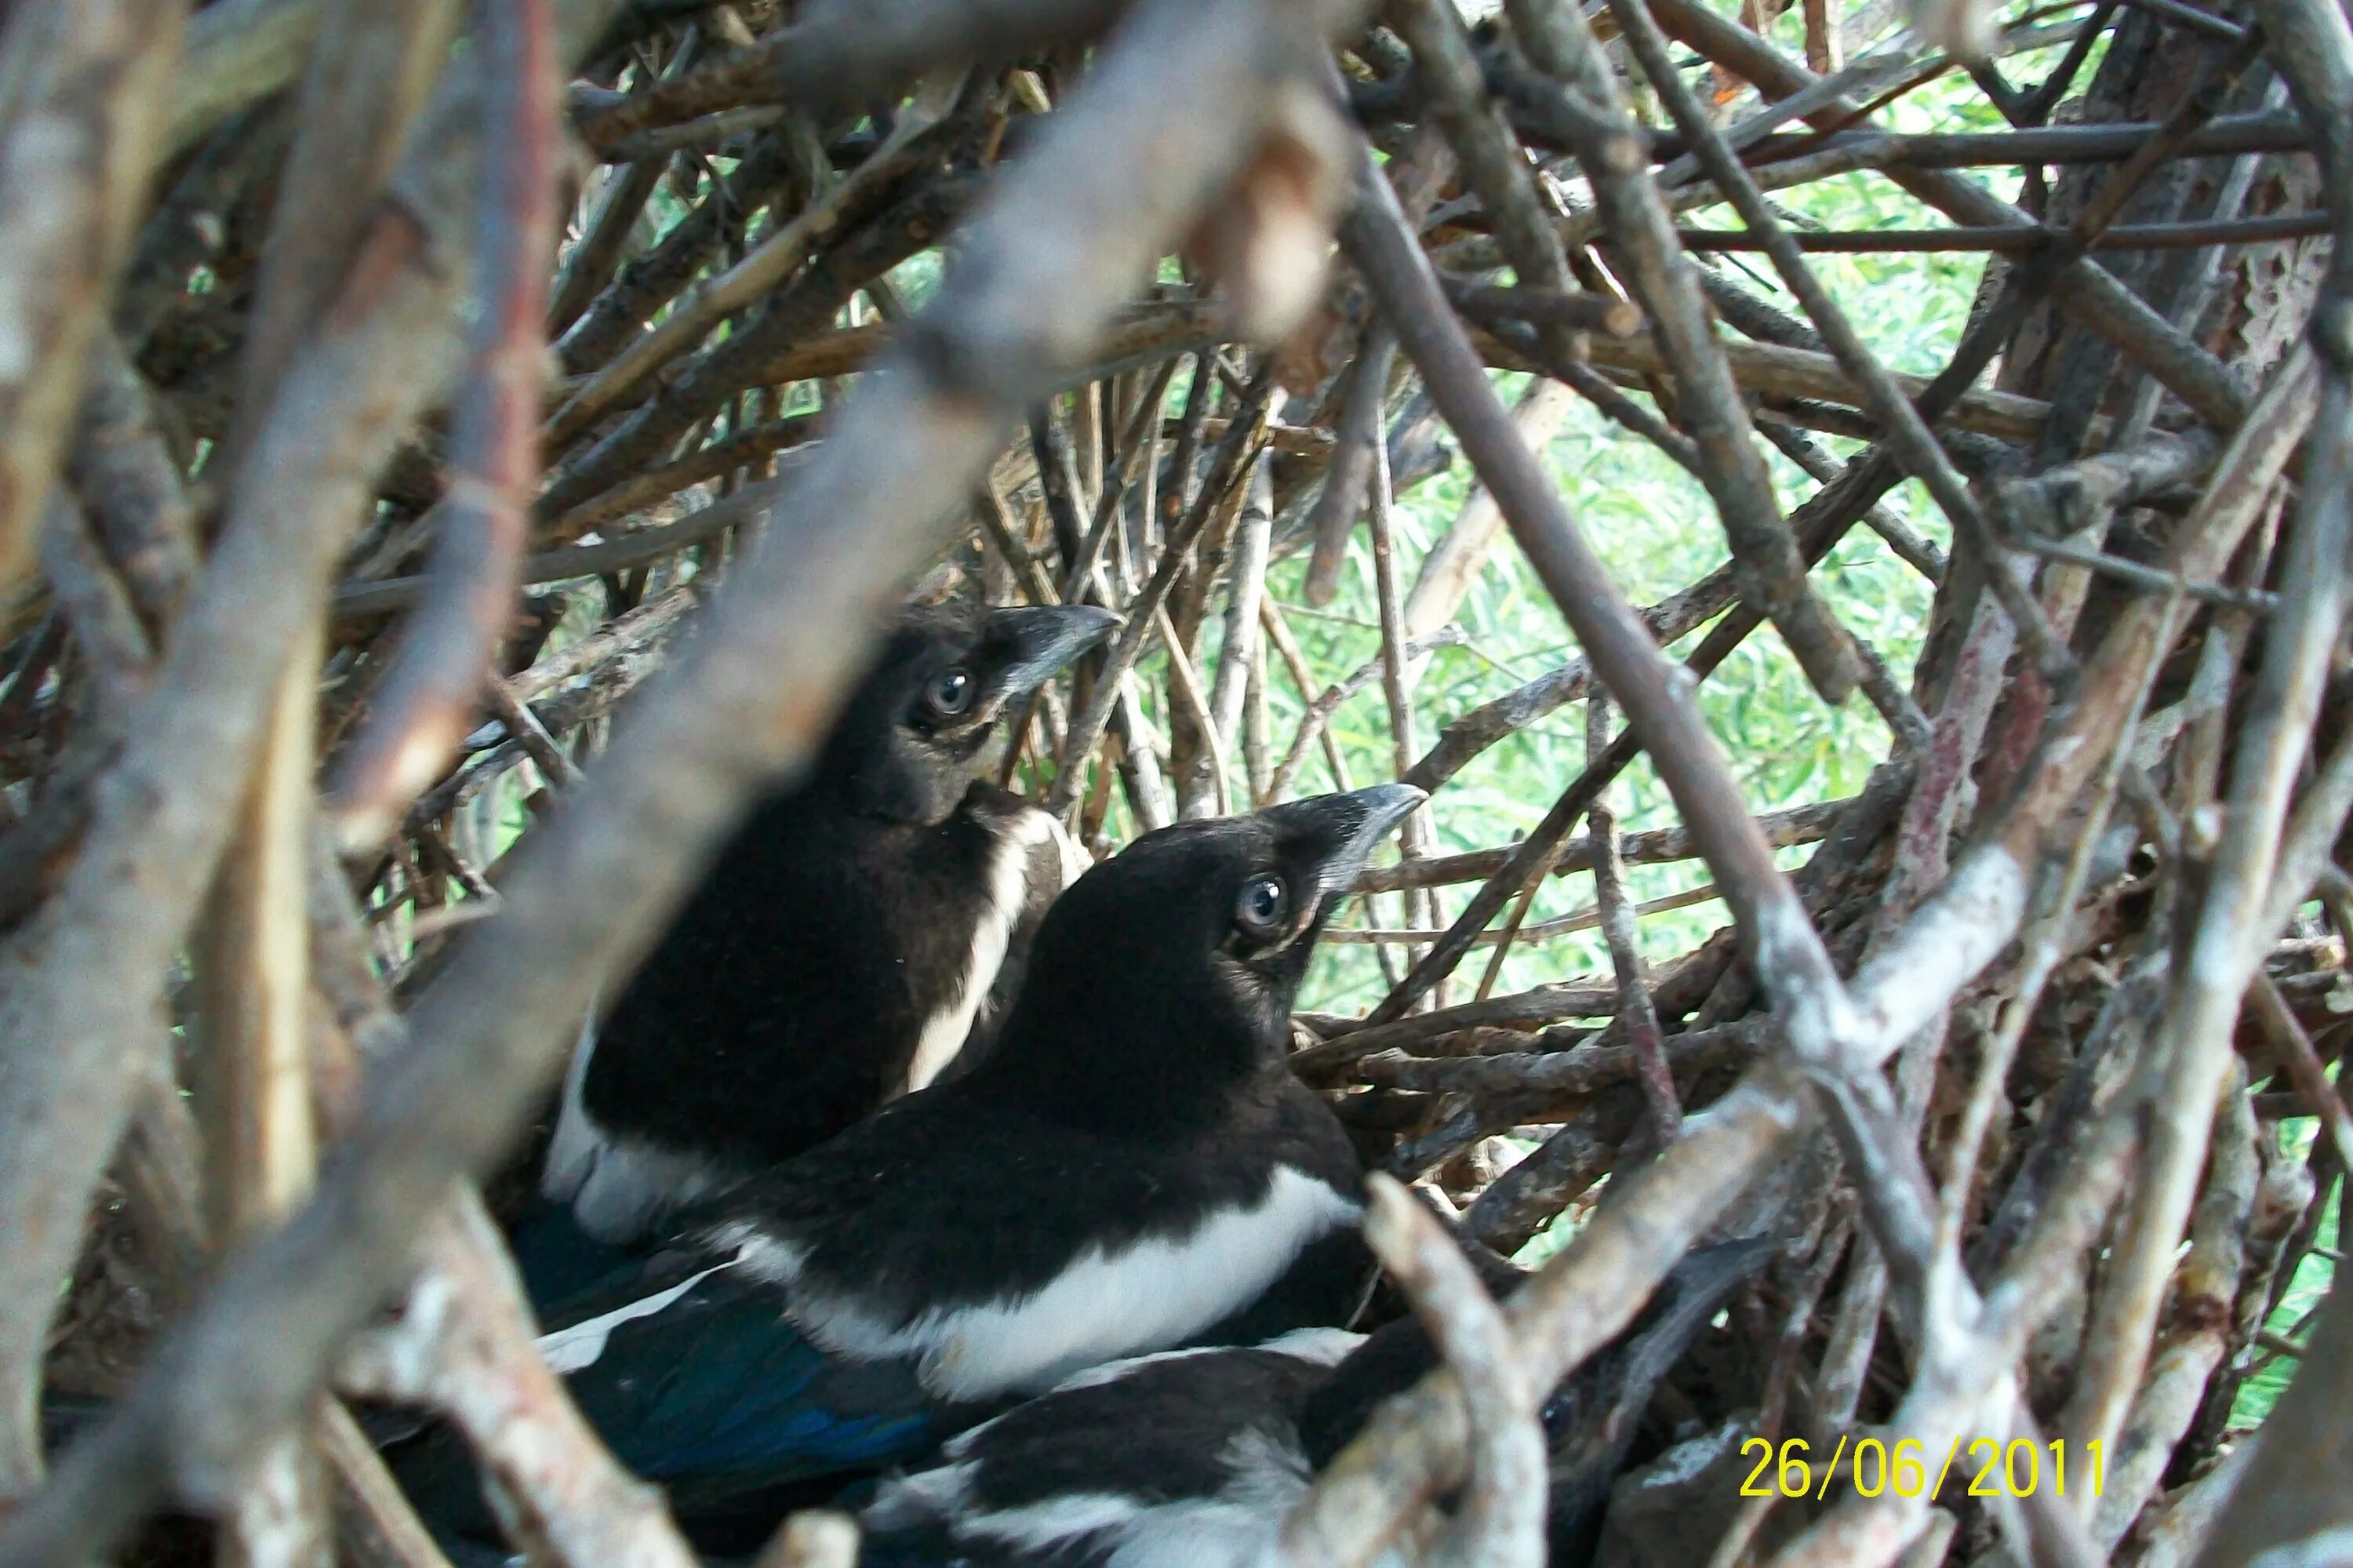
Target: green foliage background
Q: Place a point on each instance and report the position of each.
(1656, 529)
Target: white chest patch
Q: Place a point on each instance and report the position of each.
(1106, 1303)
(618, 1189)
(944, 1035)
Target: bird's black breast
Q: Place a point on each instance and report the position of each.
(787, 1000)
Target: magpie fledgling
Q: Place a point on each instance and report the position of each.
(1194, 1458)
(1132, 1167)
(857, 931)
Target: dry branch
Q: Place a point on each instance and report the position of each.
(427, 701)
(85, 88)
(1500, 1520)
(465, 1344)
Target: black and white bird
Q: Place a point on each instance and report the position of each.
(1194, 1458)
(856, 938)
(1132, 1168)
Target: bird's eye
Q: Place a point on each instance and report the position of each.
(1262, 906)
(950, 692)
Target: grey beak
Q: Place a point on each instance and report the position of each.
(1047, 637)
(1358, 823)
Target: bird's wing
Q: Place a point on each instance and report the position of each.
(705, 1386)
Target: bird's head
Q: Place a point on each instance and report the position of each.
(1173, 966)
(909, 738)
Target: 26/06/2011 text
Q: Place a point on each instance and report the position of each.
(2012, 1470)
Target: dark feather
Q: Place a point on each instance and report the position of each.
(840, 926)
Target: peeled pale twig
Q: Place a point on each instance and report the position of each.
(466, 1346)
(1455, 560)
(1500, 1520)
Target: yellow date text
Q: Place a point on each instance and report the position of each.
(1988, 1468)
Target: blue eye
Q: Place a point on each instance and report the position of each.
(950, 692)
(1262, 906)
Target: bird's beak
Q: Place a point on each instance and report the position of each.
(1047, 637)
(1353, 826)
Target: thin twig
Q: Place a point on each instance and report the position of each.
(1773, 572)
(1907, 434)
(427, 701)
(1637, 1019)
